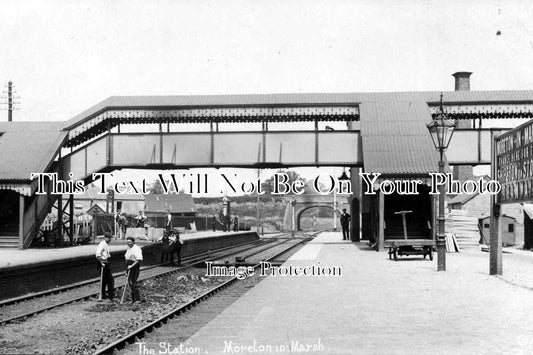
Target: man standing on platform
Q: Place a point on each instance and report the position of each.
(124, 224)
(235, 223)
(104, 262)
(214, 223)
(118, 228)
(140, 220)
(168, 224)
(133, 256)
(121, 224)
(227, 223)
(345, 223)
(222, 219)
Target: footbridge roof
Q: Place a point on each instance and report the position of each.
(28, 147)
(299, 99)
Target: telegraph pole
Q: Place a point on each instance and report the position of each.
(258, 200)
(258, 222)
(9, 100)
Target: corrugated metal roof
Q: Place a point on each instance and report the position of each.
(28, 147)
(459, 97)
(395, 138)
(464, 198)
(461, 199)
(176, 203)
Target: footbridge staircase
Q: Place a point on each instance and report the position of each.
(26, 148)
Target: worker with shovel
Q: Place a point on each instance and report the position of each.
(133, 256)
(104, 263)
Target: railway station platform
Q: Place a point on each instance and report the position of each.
(15, 257)
(379, 306)
(33, 270)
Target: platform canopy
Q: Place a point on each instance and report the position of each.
(25, 148)
(396, 141)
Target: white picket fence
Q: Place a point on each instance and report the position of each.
(81, 224)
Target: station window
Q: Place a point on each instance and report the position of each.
(486, 225)
(239, 127)
(291, 126)
(510, 228)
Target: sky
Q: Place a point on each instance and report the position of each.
(65, 56)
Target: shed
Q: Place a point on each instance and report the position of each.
(130, 203)
(95, 210)
(509, 230)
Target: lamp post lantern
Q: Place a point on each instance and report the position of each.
(441, 130)
(344, 176)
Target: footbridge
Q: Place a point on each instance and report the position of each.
(376, 132)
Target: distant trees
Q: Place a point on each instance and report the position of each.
(268, 185)
(156, 188)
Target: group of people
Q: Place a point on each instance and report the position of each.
(171, 245)
(133, 258)
(123, 223)
(227, 221)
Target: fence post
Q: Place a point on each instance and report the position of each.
(93, 229)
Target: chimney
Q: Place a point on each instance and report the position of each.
(462, 80)
(462, 83)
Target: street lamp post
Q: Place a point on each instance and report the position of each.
(335, 209)
(441, 130)
(258, 219)
(341, 180)
(226, 211)
(293, 217)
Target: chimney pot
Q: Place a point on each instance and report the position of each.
(462, 83)
(462, 80)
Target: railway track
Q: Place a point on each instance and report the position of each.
(21, 308)
(186, 319)
(72, 286)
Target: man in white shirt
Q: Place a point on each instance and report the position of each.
(133, 256)
(104, 262)
(168, 224)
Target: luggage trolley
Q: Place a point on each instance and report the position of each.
(409, 246)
